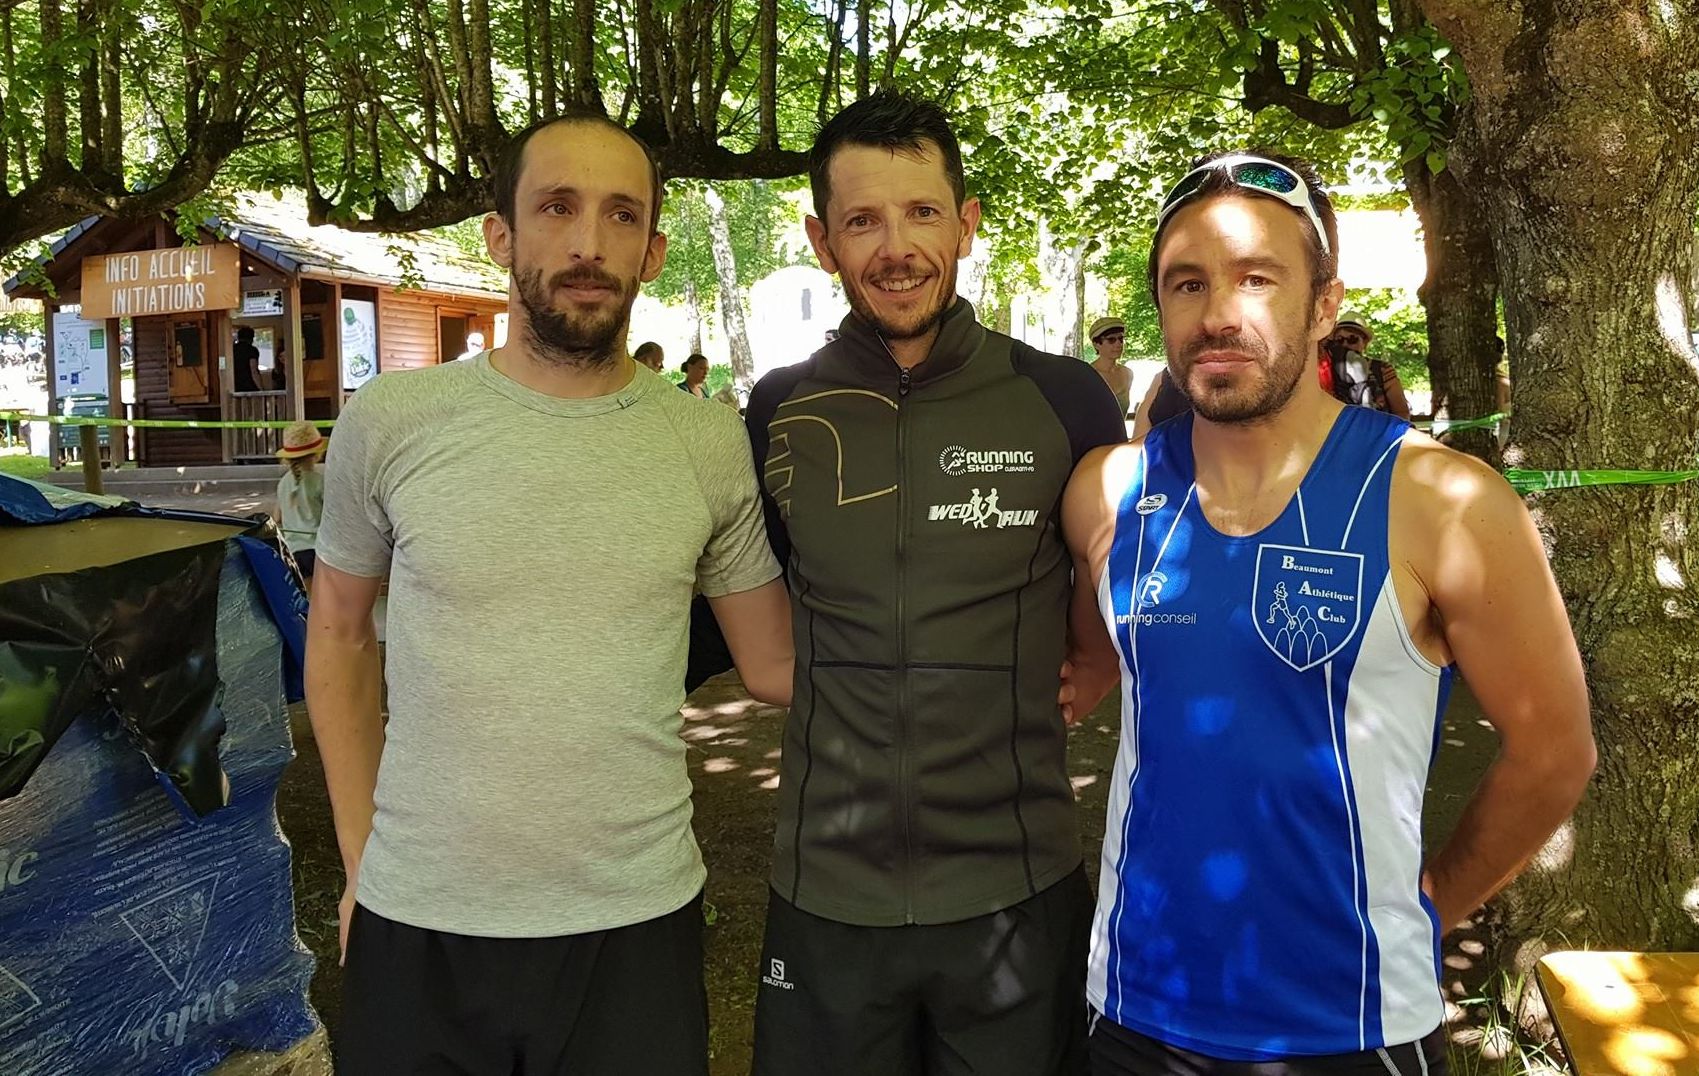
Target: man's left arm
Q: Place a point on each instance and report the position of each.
(1479, 557)
(739, 577)
(757, 627)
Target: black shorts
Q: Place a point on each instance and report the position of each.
(998, 995)
(608, 1003)
(1118, 1051)
(305, 560)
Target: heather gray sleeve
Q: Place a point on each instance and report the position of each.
(737, 557)
(355, 535)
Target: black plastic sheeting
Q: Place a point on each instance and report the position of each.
(142, 636)
(139, 637)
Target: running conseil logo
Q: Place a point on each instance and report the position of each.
(956, 461)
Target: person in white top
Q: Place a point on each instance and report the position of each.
(300, 492)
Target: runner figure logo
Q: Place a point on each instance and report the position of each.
(1307, 603)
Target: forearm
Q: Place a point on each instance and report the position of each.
(1515, 809)
(769, 678)
(344, 697)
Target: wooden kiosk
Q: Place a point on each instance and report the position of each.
(328, 308)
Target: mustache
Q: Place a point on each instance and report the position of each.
(1237, 342)
(587, 274)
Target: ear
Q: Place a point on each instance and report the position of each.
(1326, 310)
(817, 239)
(655, 258)
(970, 227)
(498, 240)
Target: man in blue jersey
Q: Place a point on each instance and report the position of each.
(1289, 585)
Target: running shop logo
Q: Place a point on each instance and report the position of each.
(956, 461)
(776, 975)
(982, 513)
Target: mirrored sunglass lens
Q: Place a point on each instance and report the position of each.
(1267, 177)
(1185, 187)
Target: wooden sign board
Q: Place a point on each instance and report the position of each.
(176, 280)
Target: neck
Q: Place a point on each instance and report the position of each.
(568, 375)
(1237, 460)
(913, 351)
(1105, 363)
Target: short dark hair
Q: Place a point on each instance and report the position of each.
(694, 357)
(511, 162)
(644, 348)
(1324, 262)
(889, 119)
(245, 333)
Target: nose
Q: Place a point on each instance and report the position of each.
(897, 240)
(584, 241)
(1223, 312)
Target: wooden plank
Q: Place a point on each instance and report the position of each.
(118, 441)
(53, 449)
(297, 376)
(1632, 1014)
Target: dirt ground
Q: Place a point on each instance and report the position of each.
(734, 754)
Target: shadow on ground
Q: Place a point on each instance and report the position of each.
(734, 762)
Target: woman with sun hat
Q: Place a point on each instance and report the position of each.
(300, 492)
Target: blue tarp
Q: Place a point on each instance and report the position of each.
(137, 937)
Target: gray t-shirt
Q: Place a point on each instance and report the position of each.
(541, 554)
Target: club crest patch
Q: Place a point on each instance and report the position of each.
(1307, 603)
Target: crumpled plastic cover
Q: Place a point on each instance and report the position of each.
(136, 938)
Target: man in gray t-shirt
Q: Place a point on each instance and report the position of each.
(524, 889)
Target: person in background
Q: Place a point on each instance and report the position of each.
(474, 345)
(1357, 379)
(1109, 339)
(695, 373)
(245, 361)
(1162, 401)
(300, 492)
(651, 355)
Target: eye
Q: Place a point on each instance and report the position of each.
(860, 220)
(625, 216)
(1189, 287)
(926, 212)
(1258, 282)
(555, 209)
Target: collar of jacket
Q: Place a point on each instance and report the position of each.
(959, 336)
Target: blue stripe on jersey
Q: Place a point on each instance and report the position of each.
(1252, 889)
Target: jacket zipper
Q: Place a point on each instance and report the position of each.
(904, 384)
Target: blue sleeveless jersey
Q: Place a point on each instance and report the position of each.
(1261, 887)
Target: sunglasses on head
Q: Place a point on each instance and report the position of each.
(1257, 174)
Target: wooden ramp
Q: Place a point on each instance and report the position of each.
(1625, 1014)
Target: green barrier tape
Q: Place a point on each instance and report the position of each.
(151, 423)
(1533, 481)
(1446, 425)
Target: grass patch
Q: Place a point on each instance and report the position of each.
(25, 466)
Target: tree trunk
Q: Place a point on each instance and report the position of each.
(863, 48)
(1076, 334)
(693, 302)
(1460, 295)
(1584, 145)
(586, 88)
(731, 296)
(53, 89)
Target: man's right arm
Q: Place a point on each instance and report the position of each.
(344, 677)
(344, 700)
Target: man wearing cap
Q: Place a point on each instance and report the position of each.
(1109, 339)
(1290, 585)
(1357, 379)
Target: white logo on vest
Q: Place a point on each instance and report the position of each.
(1306, 603)
(983, 513)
